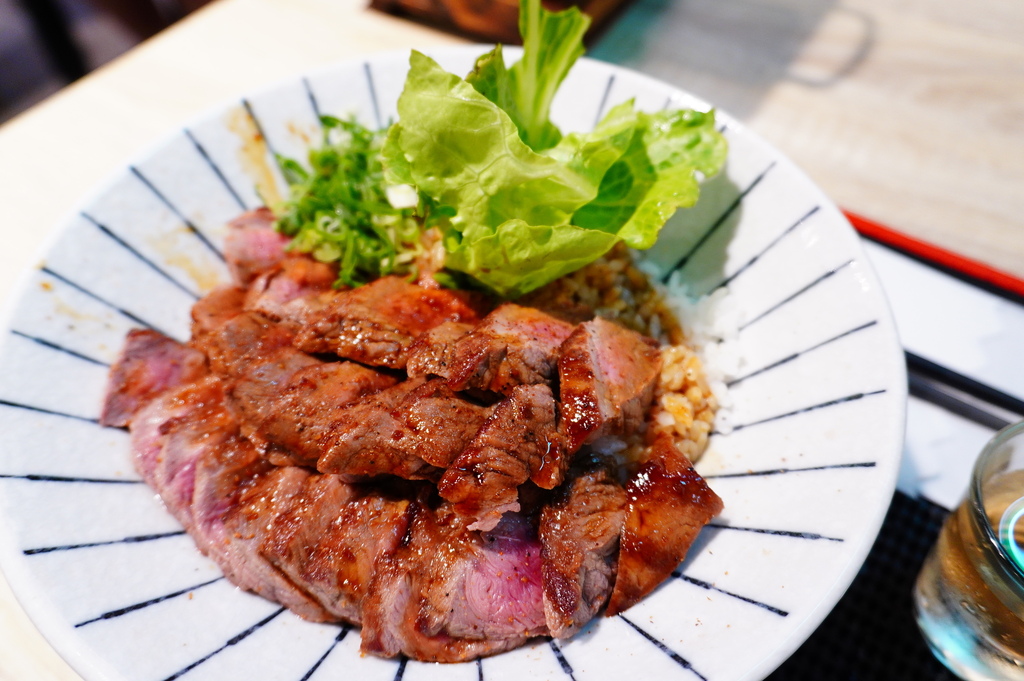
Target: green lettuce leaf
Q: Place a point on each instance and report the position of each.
(490, 78)
(516, 257)
(655, 176)
(518, 203)
(552, 42)
(463, 152)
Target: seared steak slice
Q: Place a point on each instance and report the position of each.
(330, 538)
(285, 291)
(149, 364)
(430, 354)
(669, 503)
(580, 530)
(285, 397)
(376, 323)
(261, 381)
(607, 375)
(493, 590)
(240, 341)
(215, 309)
(413, 430)
(440, 566)
(221, 477)
(252, 246)
(512, 346)
(294, 401)
(169, 435)
(187, 447)
(518, 441)
(254, 502)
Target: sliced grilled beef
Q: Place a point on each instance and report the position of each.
(149, 364)
(376, 323)
(252, 246)
(222, 474)
(240, 341)
(330, 538)
(430, 353)
(286, 291)
(500, 559)
(439, 567)
(259, 382)
(518, 441)
(253, 502)
(607, 375)
(580, 530)
(293, 402)
(290, 403)
(668, 504)
(495, 591)
(512, 346)
(187, 447)
(413, 430)
(171, 432)
(215, 309)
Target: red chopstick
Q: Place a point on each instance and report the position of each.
(940, 256)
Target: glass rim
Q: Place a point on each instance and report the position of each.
(976, 498)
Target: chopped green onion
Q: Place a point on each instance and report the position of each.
(338, 209)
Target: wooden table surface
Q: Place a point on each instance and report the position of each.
(910, 112)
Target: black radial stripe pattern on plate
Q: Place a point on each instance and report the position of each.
(747, 265)
(707, 586)
(719, 221)
(799, 353)
(51, 412)
(372, 87)
(337, 639)
(112, 542)
(203, 239)
(786, 471)
(793, 534)
(59, 348)
(120, 310)
(232, 641)
(145, 604)
(139, 256)
(562, 662)
(40, 477)
(604, 100)
(311, 96)
(479, 669)
(400, 672)
(803, 410)
(676, 657)
(216, 170)
(793, 296)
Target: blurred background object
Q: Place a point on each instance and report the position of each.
(46, 44)
(491, 20)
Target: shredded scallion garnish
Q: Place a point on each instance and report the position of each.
(338, 210)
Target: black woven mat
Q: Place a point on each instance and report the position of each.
(871, 634)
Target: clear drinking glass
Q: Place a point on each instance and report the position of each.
(969, 597)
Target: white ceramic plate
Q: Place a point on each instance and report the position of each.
(806, 473)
